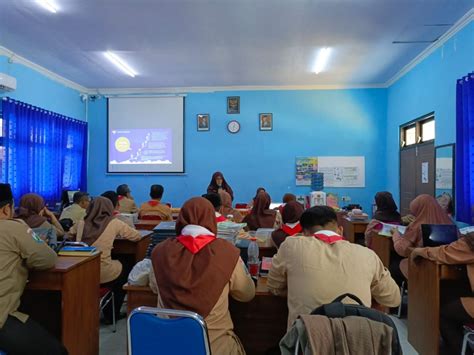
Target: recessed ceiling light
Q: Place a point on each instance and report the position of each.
(120, 63)
(48, 5)
(321, 60)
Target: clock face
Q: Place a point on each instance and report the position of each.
(233, 126)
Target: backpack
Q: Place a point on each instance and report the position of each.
(337, 309)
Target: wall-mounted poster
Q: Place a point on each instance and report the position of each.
(305, 167)
(342, 171)
(444, 173)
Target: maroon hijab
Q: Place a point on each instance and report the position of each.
(188, 281)
(98, 216)
(213, 187)
(291, 213)
(387, 210)
(30, 207)
(261, 216)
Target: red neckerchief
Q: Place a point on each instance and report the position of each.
(291, 231)
(195, 244)
(116, 213)
(221, 218)
(153, 203)
(120, 197)
(328, 239)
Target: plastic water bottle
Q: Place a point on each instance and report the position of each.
(253, 262)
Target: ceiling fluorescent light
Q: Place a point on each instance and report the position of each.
(48, 5)
(321, 60)
(120, 63)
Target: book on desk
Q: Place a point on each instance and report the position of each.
(77, 251)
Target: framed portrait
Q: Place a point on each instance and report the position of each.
(233, 104)
(203, 122)
(265, 121)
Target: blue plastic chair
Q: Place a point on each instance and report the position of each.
(166, 331)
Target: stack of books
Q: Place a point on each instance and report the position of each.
(77, 251)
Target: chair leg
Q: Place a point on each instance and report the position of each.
(402, 292)
(113, 313)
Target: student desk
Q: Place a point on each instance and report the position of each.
(145, 224)
(260, 323)
(424, 302)
(351, 228)
(134, 249)
(65, 300)
(382, 246)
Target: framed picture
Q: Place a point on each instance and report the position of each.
(233, 104)
(203, 122)
(266, 121)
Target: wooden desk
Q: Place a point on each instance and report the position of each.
(260, 323)
(382, 246)
(424, 303)
(136, 250)
(65, 300)
(145, 224)
(351, 228)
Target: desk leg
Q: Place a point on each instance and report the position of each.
(348, 232)
(423, 307)
(80, 309)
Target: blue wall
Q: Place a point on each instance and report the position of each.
(306, 123)
(430, 86)
(39, 90)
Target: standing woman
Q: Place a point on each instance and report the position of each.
(197, 272)
(99, 229)
(218, 184)
(291, 213)
(261, 216)
(35, 214)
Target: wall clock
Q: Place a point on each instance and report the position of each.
(233, 126)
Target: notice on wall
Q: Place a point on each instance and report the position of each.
(305, 167)
(424, 172)
(444, 173)
(342, 171)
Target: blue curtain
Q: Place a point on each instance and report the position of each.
(44, 152)
(465, 149)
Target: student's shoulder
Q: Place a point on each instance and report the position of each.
(13, 225)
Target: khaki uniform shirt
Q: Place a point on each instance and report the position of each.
(109, 269)
(127, 205)
(219, 323)
(73, 212)
(161, 210)
(20, 250)
(313, 273)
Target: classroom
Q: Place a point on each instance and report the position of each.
(197, 177)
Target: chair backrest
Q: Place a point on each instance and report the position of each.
(150, 217)
(166, 331)
(241, 205)
(438, 234)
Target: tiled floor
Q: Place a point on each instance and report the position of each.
(116, 343)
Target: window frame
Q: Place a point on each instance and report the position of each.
(418, 123)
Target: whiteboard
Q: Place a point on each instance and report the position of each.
(342, 171)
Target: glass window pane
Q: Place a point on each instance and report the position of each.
(428, 130)
(410, 135)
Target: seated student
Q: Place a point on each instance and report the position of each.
(34, 213)
(261, 216)
(226, 209)
(154, 207)
(218, 183)
(426, 210)
(114, 198)
(99, 229)
(319, 266)
(197, 272)
(387, 212)
(215, 200)
(260, 189)
(77, 210)
(126, 201)
(20, 251)
(458, 309)
(291, 226)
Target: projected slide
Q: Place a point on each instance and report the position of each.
(141, 146)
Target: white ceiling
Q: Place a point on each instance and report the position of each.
(183, 43)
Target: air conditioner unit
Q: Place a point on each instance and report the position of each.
(7, 82)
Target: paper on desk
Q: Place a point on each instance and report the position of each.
(387, 229)
(266, 263)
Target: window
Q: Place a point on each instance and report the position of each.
(418, 131)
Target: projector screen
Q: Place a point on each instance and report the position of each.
(145, 135)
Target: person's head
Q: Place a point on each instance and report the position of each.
(226, 199)
(446, 202)
(260, 189)
(319, 218)
(217, 178)
(425, 205)
(6, 201)
(123, 190)
(197, 211)
(31, 204)
(384, 201)
(288, 198)
(261, 202)
(113, 197)
(215, 199)
(291, 212)
(82, 199)
(99, 206)
(156, 192)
